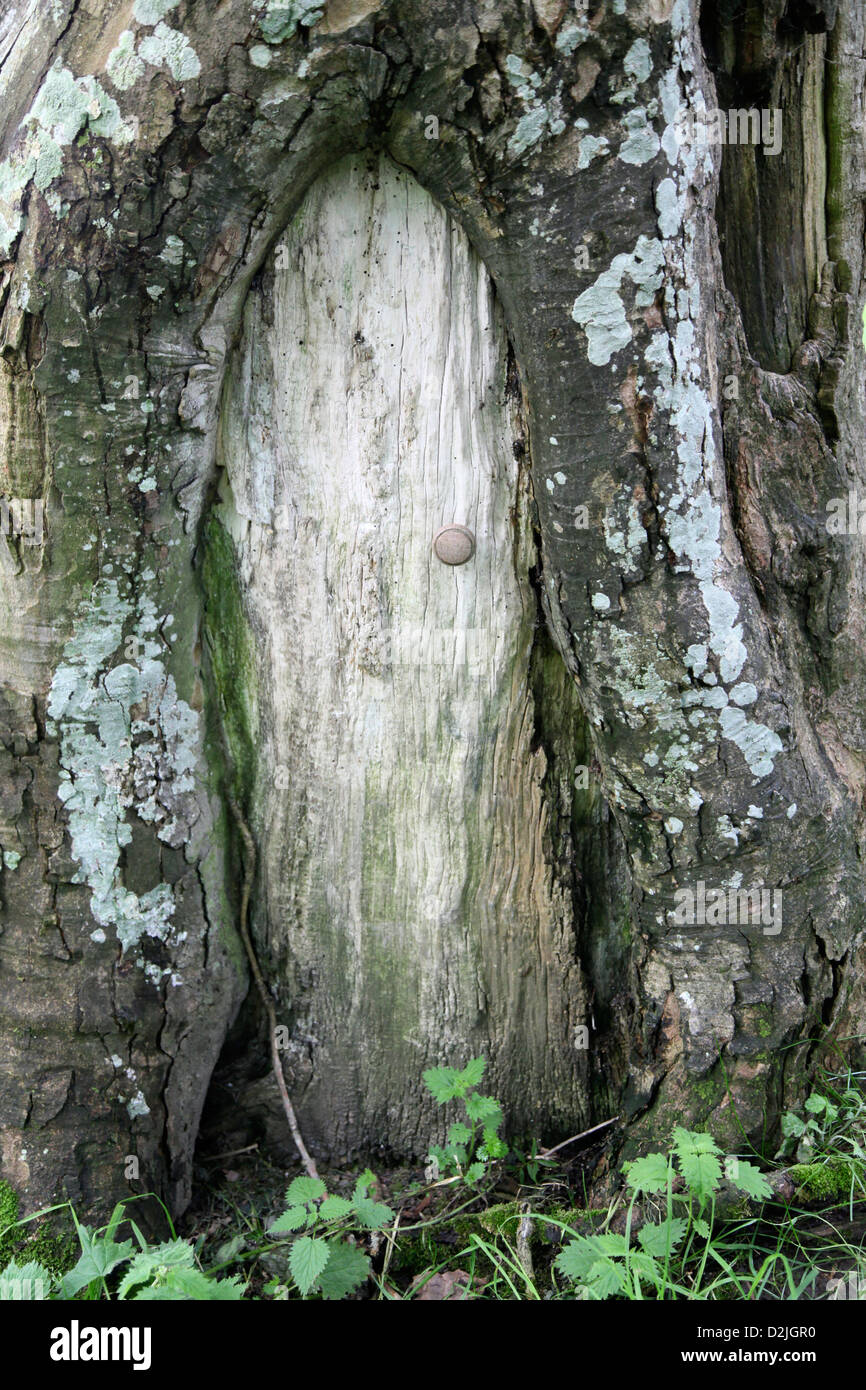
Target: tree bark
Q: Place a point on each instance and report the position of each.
(640, 385)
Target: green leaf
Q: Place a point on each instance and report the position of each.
(702, 1227)
(365, 1183)
(747, 1178)
(459, 1134)
(484, 1109)
(190, 1285)
(372, 1214)
(577, 1259)
(346, 1270)
(586, 1253)
(155, 1263)
(304, 1190)
(473, 1072)
(291, 1220)
(475, 1172)
(335, 1207)
(792, 1125)
(29, 1282)
(816, 1105)
(443, 1083)
(649, 1174)
(98, 1258)
(647, 1267)
(699, 1163)
(493, 1146)
(307, 1259)
(658, 1240)
(606, 1279)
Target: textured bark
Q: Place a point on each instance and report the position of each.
(700, 643)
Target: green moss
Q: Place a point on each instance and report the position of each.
(54, 1248)
(8, 1217)
(57, 1250)
(232, 655)
(502, 1218)
(821, 1181)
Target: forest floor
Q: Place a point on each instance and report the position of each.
(486, 1218)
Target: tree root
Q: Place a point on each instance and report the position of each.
(249, 862)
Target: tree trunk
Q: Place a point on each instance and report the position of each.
(287, 288)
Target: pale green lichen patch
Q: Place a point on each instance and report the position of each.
(170, 48)
(641, 143)
(538, 118)
(637, 63)
(589, 148)
(124, 67)
(282, 18)
(65, 105)
(126, 741)
(600, 310)
(152, 11)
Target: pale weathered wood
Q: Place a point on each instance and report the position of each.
(398, 802)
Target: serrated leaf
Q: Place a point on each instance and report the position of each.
(694, 1142)
(335, 1207)
(658, 1240)
(646, 1266)
(98, 1258)
(606, 1278)
(364, 1183)
(173, 1254)
(307, 1259)
(459, 1133)
(475, 1172)
(291, 1220)
(473, 1072)
(346, 1270)
(816, 1105)
(443, 1083)
(375, 1216)
(702, 1227)
(747, 1178)
(304, 1190)
(190, 1285)
(484, 1109)
(30, 1282)
(792, 1125)
(648, 1174)
(702, 1174)
(577, 1259)
(699, 1162)
(585, 1253)
(610, 1243)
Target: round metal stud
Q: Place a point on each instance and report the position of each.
(454, 545)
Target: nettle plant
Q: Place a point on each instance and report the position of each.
(324, 1260)
(166, 1271)
(611, 1265)
(809, 1135)
(472, 1143)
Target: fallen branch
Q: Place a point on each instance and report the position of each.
(545, 1153)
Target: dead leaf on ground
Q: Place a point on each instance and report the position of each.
(451, 1285)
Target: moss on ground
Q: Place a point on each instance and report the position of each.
(822, 1181)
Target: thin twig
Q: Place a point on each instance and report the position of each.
(231, 1153)
(545, 1153)
(249, 861)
